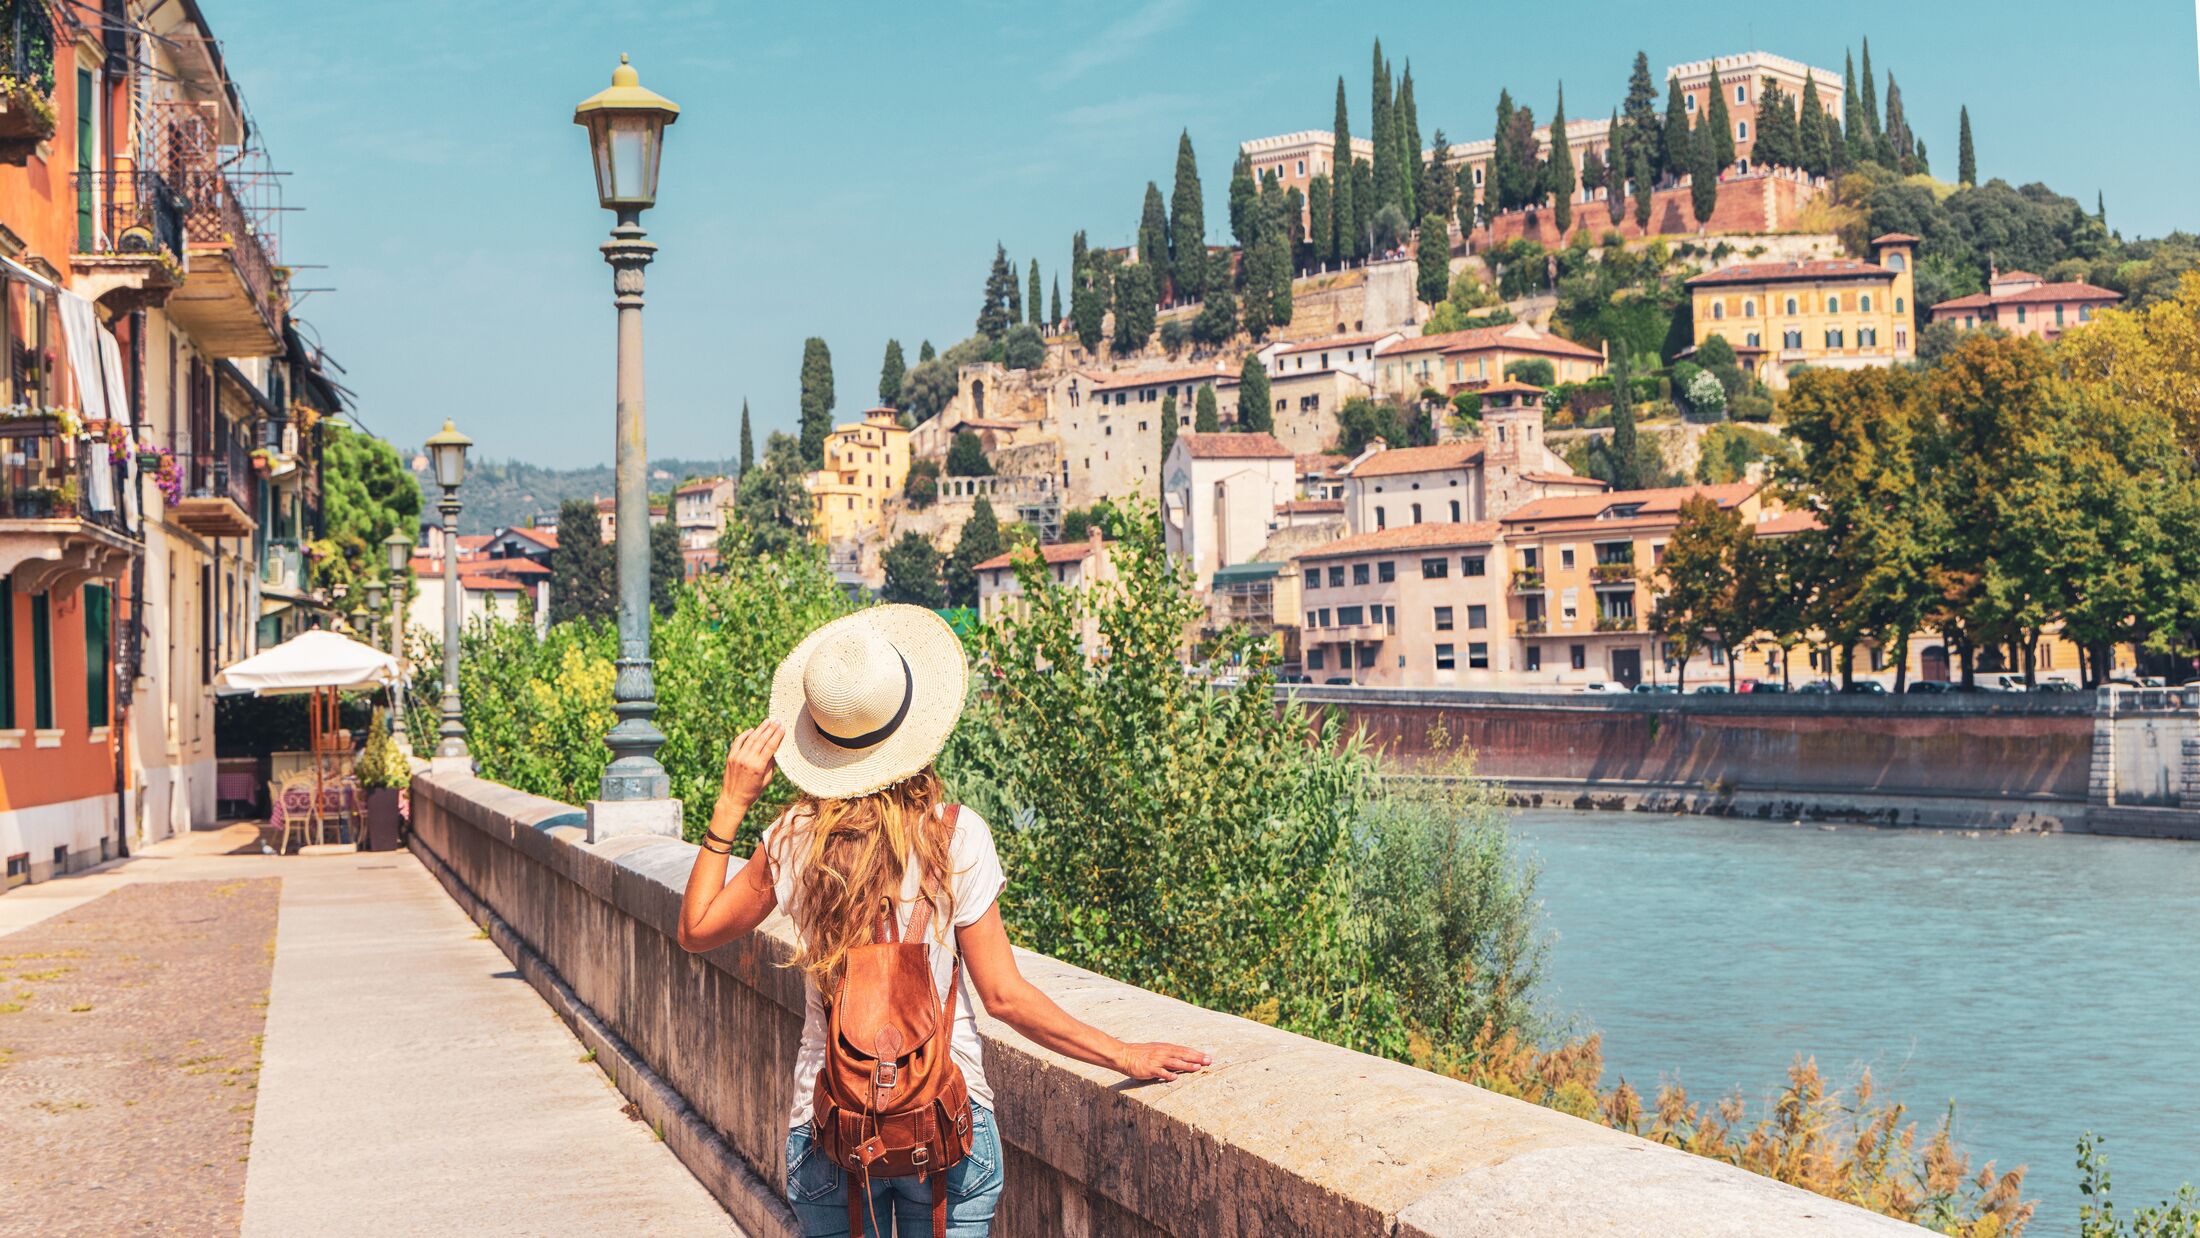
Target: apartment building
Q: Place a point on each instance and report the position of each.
(2022, 303)
(1110, 428)
(1461, 481)
(866, 463)
(1457, 361)
(1842, 313)
(1418, 605)
(1081, 566)
(699, 510)
(1220, 497)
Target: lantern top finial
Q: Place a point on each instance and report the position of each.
(626, 92)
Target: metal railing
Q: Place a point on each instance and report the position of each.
(1611, 573)
(138, 214)
(225, 472)
(1527, 579)
(1531, 627)
(1617, 623)
(189, 160)
(46, 475)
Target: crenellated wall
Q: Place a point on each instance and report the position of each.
(1283, 1136)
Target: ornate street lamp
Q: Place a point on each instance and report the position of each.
(399, 548)
(447, 450)
(626, 131)
(374, 612)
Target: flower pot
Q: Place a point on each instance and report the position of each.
(383, 820)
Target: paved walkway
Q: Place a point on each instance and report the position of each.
(409, 1082)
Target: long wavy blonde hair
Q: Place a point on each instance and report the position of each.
(855, 852)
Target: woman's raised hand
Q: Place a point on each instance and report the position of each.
(1156, 1060)
(749, 763)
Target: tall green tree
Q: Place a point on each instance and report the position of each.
(1015, 307)
(1362, 236)
(1675, 139)
(1244, 192)
(1560, 176)
(1054, 307)
(1870, 102)
(1644, 179)
(913, 573)
(1615, 171)
(1033, 306)
(1703, 179)
(1641, 107)
(817, 400)
(1134, 308)
(583, 572)
(1718, 128)
(1966, 155)
(748, 441)
(773, 503)
(1779, 143)
(1814, 145)
(1439, 180)
(1188, 225)
(1433, 266)
(1206, 416)
(890, 373)
(925, 351)
(980, 540)
(1384, 133)
(1340, 165)
(1409, 147)
(1256, 402)
(667, 566)
(1854, 126)
(966, 456)
(1620, 449)
(1088, 315)
(1504, 175)
(1896, 138)
(1000, 288)
(1321, 219)
(1696, 603)
(1153, 238)
(1168, 424)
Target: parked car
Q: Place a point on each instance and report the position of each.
(1819, 687)
(1655, 689)
(1601, 687)
(1294, 679)
(1768, 685)
(2057, 685)
(1866, 687)
(1337, 680)
(1930, 687)
(1714, 689)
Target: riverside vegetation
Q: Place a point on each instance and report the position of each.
(1187, 836)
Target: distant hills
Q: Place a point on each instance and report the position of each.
(506, 493)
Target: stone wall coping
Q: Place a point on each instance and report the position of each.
(1284, 1134)
(1746, 704)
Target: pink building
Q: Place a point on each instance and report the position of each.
(1416, 605)
(2022, 303)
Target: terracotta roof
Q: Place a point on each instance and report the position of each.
(490, 584)
(1509, 385)
(1407, 537)
(2011, 277)
(2030, 296)
(1476, 339)
(1787, 522)
(1310, 507)
(1896, 238)
(473, 541)
(1651, 503)
(545, 537)
(1419, 459)
(506, 567)
(1147, 378)
(1567, 479)
(700, 485)
(1788, 272)
(1059, 552)
(1334, 342)
(605, 505)
(1231, 446)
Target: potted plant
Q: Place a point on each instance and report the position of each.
(383, 772)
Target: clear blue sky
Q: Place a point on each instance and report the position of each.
(844, 170)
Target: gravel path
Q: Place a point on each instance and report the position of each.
(129, 1059)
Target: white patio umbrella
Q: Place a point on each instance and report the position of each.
(310, 660)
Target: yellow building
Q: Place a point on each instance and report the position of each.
(865, 463)
(1843, 314)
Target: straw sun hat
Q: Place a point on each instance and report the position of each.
(867, 700)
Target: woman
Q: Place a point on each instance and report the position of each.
(859, 710)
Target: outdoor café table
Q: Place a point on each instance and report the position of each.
(338, 799)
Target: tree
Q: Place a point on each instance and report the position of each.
(817, 400)
(367, 494)
(1434, 268)
(1642, 101)
(1408, 131)
(1000, 289)
(1217, 320)
(1153, 239)
(1244, 193)
(1703, 182)
(1340, 164)
(1015, 310)
(1897, 137)
(1615, 172)
(1054, 306)
(925, 351)
(773, 504)
(1086, 312)
(1619, 449)
(1363, 209)
(1134, 308)
(2148, 357)
(1032, 304)
(1168, 424)
(1592, 176)
(1023, 348)
(1523, 184)
(1676, 141)
(890, 374)
(1560, 175)
(1174, 335)
(1644, 179)
(966, 456)
(583, 572)
(1853, 125)
(1534, 371)
(748, 442)
(1966, 157)
(1276, 261)
(927, 389)
(1695, 603)
(980, 540)
(1718, 129)
(1503, 176)
(667, 566)
(1384, 134)
(1256, 411)
(913, 573)
(1779, 135)
(1321, 221)
(1874, 149)
(1206, 418)
(1187, 224)
(1439, 181)
(1814, 144)
(921, 488)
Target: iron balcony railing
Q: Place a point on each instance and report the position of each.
(1616, 623)
(136, 214)
(189, 159)
(46, 474)
(1612, 573)
(224, 472)
(1527, 579)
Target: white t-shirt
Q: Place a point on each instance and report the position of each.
(975, 879)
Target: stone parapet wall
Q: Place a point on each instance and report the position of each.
(1756, 203)
(1284, 1135)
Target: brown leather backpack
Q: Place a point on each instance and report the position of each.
(890, 1101)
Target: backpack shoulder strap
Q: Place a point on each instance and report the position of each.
(920, 918)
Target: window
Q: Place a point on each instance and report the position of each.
(1416, 513)
(1435, 569)
(1718, 309)
(1754, 340)
(1351, 616)
(2020, 313)
(1472, 565)
(1313, 578)
(1344, 657)
(1866, 337)
(1478, 656)
(2085, 313)
(1535, 658)
(97, 666)
(1898, 305)
(1791, 338)
(1864, 303)
(1566, 558)
(1390, 623)
(1314, 659)
(1380, 523)
(1741, 93)
(1478, 617)
(1581, 656)
(1359, 573)
(1531, 557)
(1833, 305)
(1741, 127)
(1443, 618)
(1833, 337)
(1691, 104)
(1302, 167)
(1455, 511)
(1336, 576)
(1323, 615)
(1478, 177)
(1386, 571)
(1444, 658)
(42, 661)
(1791, 305)
(1895, 262)
(1749, 309)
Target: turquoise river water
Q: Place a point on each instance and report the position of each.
(2048, 984)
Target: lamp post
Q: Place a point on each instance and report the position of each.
(374, 612)
(399, 548)
(626, 127)
(448, 450)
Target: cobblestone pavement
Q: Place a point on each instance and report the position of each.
(129, 1059)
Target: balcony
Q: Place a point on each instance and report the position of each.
(130, 248)
(218, 495)
(61, 508)
(1527, 580)
(1617, 623)
(1612, 573)
(232, 296)
(1531, 627)
(26, 79)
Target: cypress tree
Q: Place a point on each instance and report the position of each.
(1321, 219)
(1718, 129)
(1966, 157)
(748, 442)
(1013, 307)
(1674, 136)
(891, 372)
(1433, 268)
(1409, 147)
(1777, 139)
(925, 351)
(1642, 98)
(1168, 425)
(1340, 168)
(1032, 304)
(1869, 103)
(1187, 224)
(1363, 208)
(1592, 174)
(1153, 237)
(1639, 155)
(1561, 173)
(1615, 170)
(1896, 139)
(817, 400)
(1619, 450)
(1385, 137)
(1054, 307)
(1854, 127)
(1464, 208)
(1134, 307)
(1812, 142)
(1206, 419)
(2100, 208)
(1703, 174)
(583, 568)
(1437, 180)
(1256, 404)
(1502, 175)
(1924, 166)
(1243, 193)
(980, 540)
(1000, 282)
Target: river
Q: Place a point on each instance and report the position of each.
(2047, 983)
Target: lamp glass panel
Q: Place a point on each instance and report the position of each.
(630, 162)
(450, 465)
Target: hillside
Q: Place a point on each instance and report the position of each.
(504, 493)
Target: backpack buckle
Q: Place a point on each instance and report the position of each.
(885, 1075)
(919, 1155)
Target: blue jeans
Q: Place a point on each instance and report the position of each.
(817, 1189)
